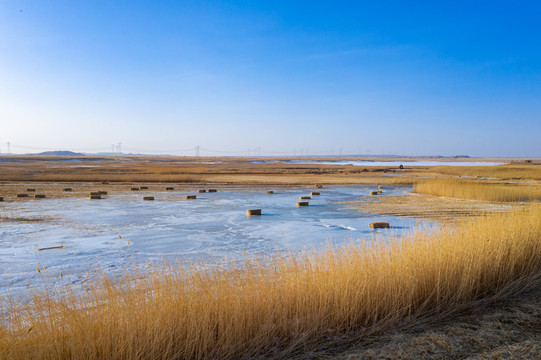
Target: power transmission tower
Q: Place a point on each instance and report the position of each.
(119, 148)
(197, 147)
(112, 148)
(9, 149)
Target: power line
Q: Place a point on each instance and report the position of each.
(117, 148)
(227, 151)
(130, 149)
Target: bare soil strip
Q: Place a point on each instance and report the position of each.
(509, 329)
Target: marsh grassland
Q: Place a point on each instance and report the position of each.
(279, 309)
(513, 171)
(479, 190)
(312, 304)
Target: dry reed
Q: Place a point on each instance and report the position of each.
(511, 171)
(478, 190)
(52, 247)
(281, 309)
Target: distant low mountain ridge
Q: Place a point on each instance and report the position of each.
(61, 153)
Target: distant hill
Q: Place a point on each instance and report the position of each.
(61, 153)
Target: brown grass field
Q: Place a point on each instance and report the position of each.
(121, 172)
(469, 289)
(238, 170)
(189, 170)
(479, 190)
(507, 172)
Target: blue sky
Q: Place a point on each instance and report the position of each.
(287, 77)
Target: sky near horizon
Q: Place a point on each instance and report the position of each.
(283, 77)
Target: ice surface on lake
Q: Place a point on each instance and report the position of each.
(212, 228)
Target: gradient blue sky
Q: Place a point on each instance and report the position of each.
(411, 78)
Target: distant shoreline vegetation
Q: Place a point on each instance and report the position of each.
(404, 162)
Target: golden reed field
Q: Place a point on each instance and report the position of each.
(281, 307)
(476, 190)
(307, 305)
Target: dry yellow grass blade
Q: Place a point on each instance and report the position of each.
(280, 307)
(478, 190)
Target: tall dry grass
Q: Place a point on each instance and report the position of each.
(509, 171)
(282, 308)
(478, 190)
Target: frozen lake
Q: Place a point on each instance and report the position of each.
(212, 228)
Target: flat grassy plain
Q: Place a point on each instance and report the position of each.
(122, 172)
(188, 170)
(344, 302)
